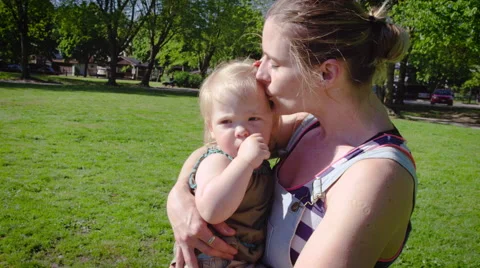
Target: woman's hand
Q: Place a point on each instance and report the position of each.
(190, 230)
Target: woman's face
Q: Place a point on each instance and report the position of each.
(278, 72)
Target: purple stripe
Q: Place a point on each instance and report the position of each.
(354, 153)
(326, 171)
(302, 193)
(389, 140)
(304, 231)
(317, 208)
(293, 256)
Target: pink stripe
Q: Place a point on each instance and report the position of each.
(353, 149)
(396, 254)
(403, 150)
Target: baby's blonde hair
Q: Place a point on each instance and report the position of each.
(234, 78)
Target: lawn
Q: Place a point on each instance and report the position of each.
(86, 169)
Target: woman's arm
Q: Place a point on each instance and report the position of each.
(221, 183)
(365, 210)
(189, 228)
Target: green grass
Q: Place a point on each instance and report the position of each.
(85, 171)
(75, 80)
(446, 220)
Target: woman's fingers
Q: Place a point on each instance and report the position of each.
(190, 258)
(215, 246)
(212, 251)
(179, 262)
(224, 229)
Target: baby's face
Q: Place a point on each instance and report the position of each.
(234, 119)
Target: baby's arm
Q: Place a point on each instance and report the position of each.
(221, 183)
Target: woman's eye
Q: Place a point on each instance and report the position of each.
(253, 119)
(273, 66)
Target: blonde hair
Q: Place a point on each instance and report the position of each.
(341, 29)
(234, 78)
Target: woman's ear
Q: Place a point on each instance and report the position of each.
(330, 70)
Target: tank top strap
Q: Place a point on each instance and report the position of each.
(308, 123)
(210, 151)
(384, 147)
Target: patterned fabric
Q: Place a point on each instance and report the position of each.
(315, 209)
(212, 150)
(249, 220)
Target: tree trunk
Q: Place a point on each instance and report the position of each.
(389, 89)
(112, 79)
(206, 62)
(146, 77)
(85, 68)
(24, 42)
(24, 62)
(380, 92)
(401, 83)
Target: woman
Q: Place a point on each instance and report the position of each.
(346, 181)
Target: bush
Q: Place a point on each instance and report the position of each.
(186, 79)
(195, 80)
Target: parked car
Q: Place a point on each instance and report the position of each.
(424, 95)
(442, 96)
(14, 68)
(46, 70)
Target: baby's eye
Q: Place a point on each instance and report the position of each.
(225, 121)
(273, 65)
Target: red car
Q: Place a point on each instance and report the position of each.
(442, 96)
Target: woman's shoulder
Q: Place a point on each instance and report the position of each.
(371, 182)
(288, 125)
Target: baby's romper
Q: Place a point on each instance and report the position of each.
(249, 220)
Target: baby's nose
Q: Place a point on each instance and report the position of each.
(241, 132)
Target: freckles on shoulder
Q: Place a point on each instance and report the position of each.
(372, 185)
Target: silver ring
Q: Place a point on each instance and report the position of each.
(210, 241)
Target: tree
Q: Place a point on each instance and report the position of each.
(122, 19)
(221, 30)
(32, 20)
(162, 24)
(473, 84)
(81, 34)
(446, 40)
(8, 35)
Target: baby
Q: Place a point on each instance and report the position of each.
(232, 181)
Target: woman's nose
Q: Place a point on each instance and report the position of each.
(241, 132)
(262, 73)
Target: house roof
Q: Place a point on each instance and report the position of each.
(128, 61)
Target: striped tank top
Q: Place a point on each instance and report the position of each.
(315, 209)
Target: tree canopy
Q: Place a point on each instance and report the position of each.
(445, 38)
(197, 34)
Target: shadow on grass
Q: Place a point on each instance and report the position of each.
(439, 113)
(90, 86)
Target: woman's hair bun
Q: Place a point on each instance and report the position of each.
(392, 41)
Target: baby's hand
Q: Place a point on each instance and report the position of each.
(254, 150)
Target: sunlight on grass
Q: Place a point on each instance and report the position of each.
(86, 170)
